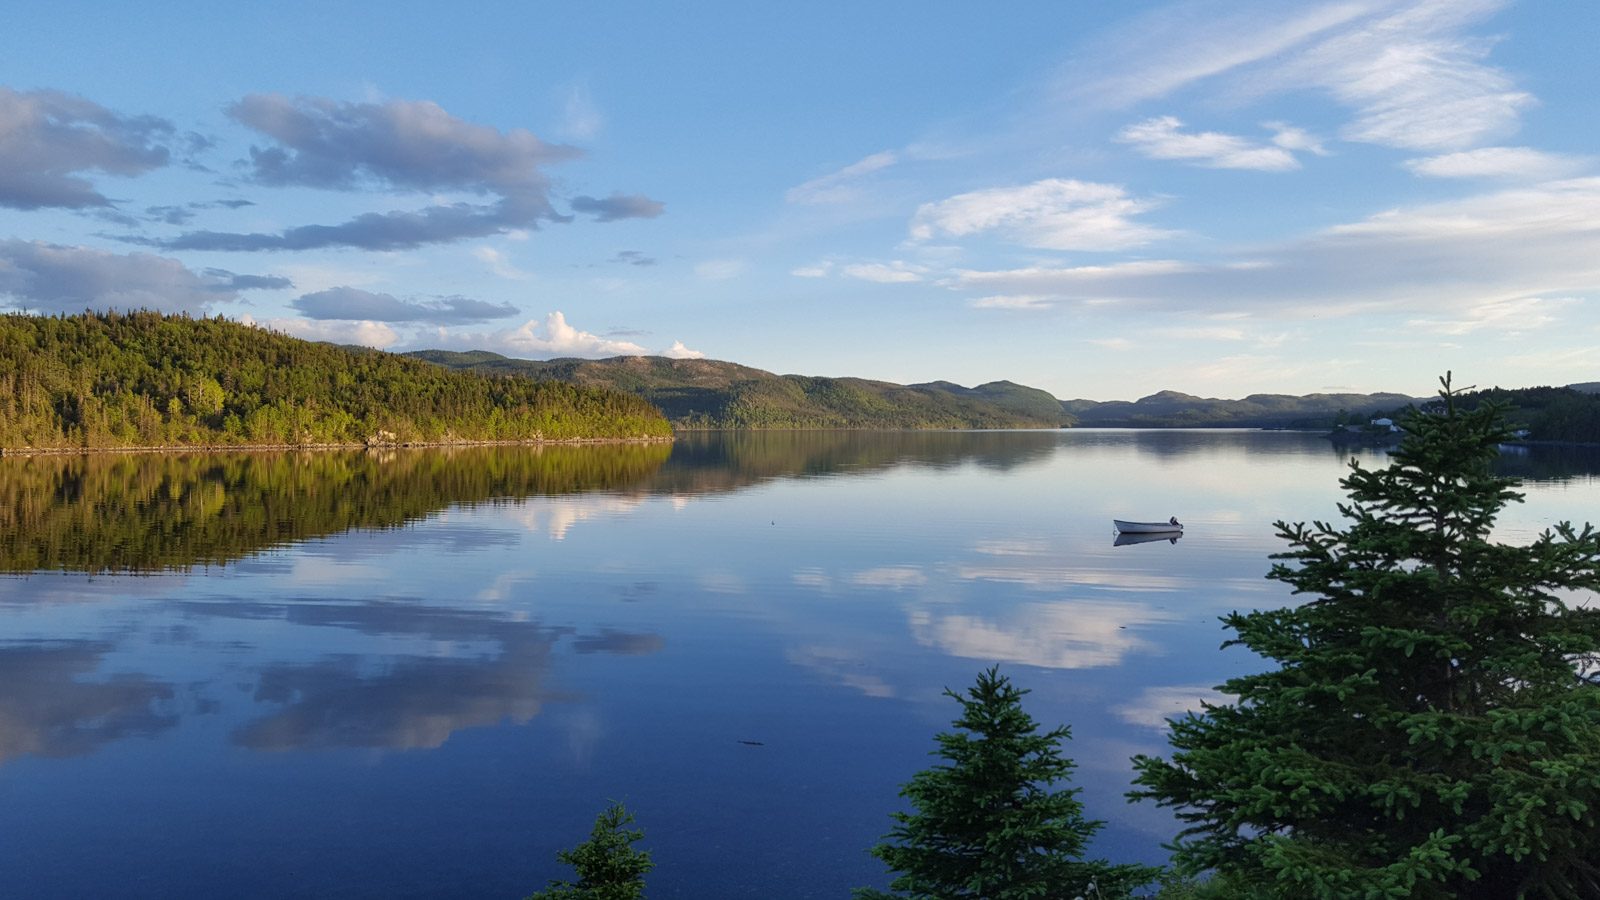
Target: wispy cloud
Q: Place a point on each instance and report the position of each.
(1508, 245)
(1407, 70)
(885, 273)
(1497, 162)
(1054, 214)
(499, 263)
(840, 186)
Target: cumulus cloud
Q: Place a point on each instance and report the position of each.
(553, 338)
(1454, 257)
(679, 351)
(54, 278)
(367, 334)
(1053, 214)
(618, 206)
(48, 137)
(396, 145)
(1496, 162)
(1162, 138)
(354, 303)
(840, 186)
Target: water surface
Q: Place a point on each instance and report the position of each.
(420, 673)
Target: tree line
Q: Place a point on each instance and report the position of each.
(144, 379)
(1431, 729)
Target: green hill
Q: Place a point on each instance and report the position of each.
(101, 380)
(704, 393)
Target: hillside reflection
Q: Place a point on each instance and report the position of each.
(145, 513)
(155, 512)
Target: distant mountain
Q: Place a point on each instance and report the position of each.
(1172, 409)
(705, 393)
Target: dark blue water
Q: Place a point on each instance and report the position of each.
(745, 641)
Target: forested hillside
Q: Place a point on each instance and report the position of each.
(1567, 414)
(147, 380)
(703, 393)
(1173, 409)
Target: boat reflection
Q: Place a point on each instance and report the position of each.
(1126, 538)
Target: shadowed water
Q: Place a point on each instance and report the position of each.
(420, 673)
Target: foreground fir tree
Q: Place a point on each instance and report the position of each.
(607, 866)
(987, 826)
(1434, 728)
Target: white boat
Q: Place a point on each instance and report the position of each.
(1169, 527)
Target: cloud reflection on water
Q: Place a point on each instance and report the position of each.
(1063, 634)
(46, 711)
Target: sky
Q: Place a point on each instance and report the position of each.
(1222, 197)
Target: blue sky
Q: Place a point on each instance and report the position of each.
(1101, 201)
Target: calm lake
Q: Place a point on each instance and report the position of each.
(420, 673)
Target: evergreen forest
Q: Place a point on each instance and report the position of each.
(144, 379)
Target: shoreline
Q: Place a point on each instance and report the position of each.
(6, 452)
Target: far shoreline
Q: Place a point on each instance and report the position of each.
(6, 452)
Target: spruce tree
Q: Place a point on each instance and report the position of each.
(987, 825)
(607, 866)
(1433, 728)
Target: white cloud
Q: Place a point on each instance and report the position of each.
(1496, 162)
(1448, 257)
(679, 351)
(499, 264)
(551, 338)
(820, 270)
(1054, 214)
(719, 269)
(1160, 138)
(368, 334)
(840, 186)
(1291, 138)
(891, 273)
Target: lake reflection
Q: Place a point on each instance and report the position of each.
(421, 673)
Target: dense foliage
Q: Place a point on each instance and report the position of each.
(987, 824)
(143, 512)
(1434, 728)
(607, 866)
(1174, 409)
(145, 379)
(702, 393)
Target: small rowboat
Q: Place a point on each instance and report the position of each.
(1170, 527)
